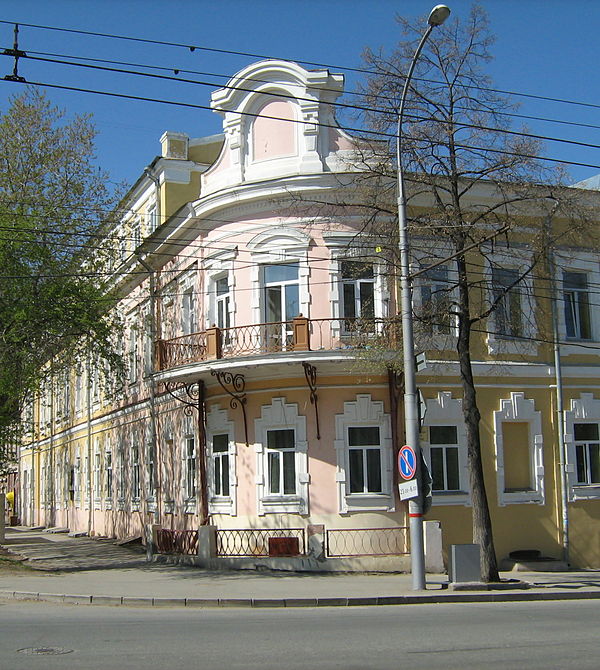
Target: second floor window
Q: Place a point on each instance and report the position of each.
(223, 301)
(190, 467)
(434, 311)
(188, 321)
(281, 302)
(577, 305)
(358, 290)
(508, 314)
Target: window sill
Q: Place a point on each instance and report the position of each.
(368, 502)
(585, 491)
(189, 506)
(285, 504)
(450, 498)
(521, 498)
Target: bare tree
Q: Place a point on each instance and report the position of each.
(475, 187)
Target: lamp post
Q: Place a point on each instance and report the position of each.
(415, 506)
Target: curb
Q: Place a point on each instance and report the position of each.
(416, 599)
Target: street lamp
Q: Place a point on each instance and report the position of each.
(411, 418)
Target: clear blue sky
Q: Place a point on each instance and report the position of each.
(544, 48)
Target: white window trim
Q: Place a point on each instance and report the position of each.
(585, 409)
(444, 410)
(518, 409)
(280, 415)
(217, 423)
(364, 412)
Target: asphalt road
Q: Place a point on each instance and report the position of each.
(521, 636)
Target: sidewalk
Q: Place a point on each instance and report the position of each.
(90, 571)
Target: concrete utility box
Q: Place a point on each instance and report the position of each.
(464, 563)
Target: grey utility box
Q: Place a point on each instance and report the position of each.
(464, 563)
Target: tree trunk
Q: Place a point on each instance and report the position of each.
(482, 523)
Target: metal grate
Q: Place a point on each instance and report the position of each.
(255, 542)
(177, 541)
(367, 542)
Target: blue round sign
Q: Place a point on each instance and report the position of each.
(407, 462)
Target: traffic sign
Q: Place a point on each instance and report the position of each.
(407, 462)
(408, 490)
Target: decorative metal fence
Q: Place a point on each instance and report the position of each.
(177, 541)
(261, 542)
(260, 338)
(367, 542)
(181, 350)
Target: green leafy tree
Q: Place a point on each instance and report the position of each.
(54, 298)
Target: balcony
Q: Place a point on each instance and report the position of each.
(300, 334)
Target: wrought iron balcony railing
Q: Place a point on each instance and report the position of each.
(300, 334)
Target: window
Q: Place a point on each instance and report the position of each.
(364, 460)
(364, 456)
(508, 314)
(582, 444)
(220, 452)
(108, 468)
(282, 459)
(122, 475)
(577, 306)
(221, 473)
(188, 323)
(132, 356)
(444, 462)
(223, 303)
(281, 303)
(152, 219)
(358, 291)
(190, 467)
(445, 449)
(136, 234)
(97, 475)
(135, 473)
(434, 311)
(587, 452)
(519, 451)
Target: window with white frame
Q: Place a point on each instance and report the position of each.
(136, 233)
(223, 302)
(576, 298)
(364, 456)
(433, 313)
(519, 451)
(108, 474)
(281, 303)
(122, 465)
(136, 488)
(358, 292)
(152, 218)
(132, 355)
(188, 317)
(506, 294)
(189, 470)
(582, 444)
(222, 449)
(97, 476)
(282, 459)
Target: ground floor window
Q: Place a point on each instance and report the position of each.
(364, 456)
(587, 453)
(444, 461)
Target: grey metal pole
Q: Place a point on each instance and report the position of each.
(411, 416)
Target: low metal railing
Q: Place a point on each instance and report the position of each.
(300, 334)
(260, 338)
(367, 542)
(261, 542)
(181, 350)
(176, 541)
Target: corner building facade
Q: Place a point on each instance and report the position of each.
(250, 404)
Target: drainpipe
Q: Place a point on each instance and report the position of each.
(89, 448)
(560, 417)
(153, 421)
